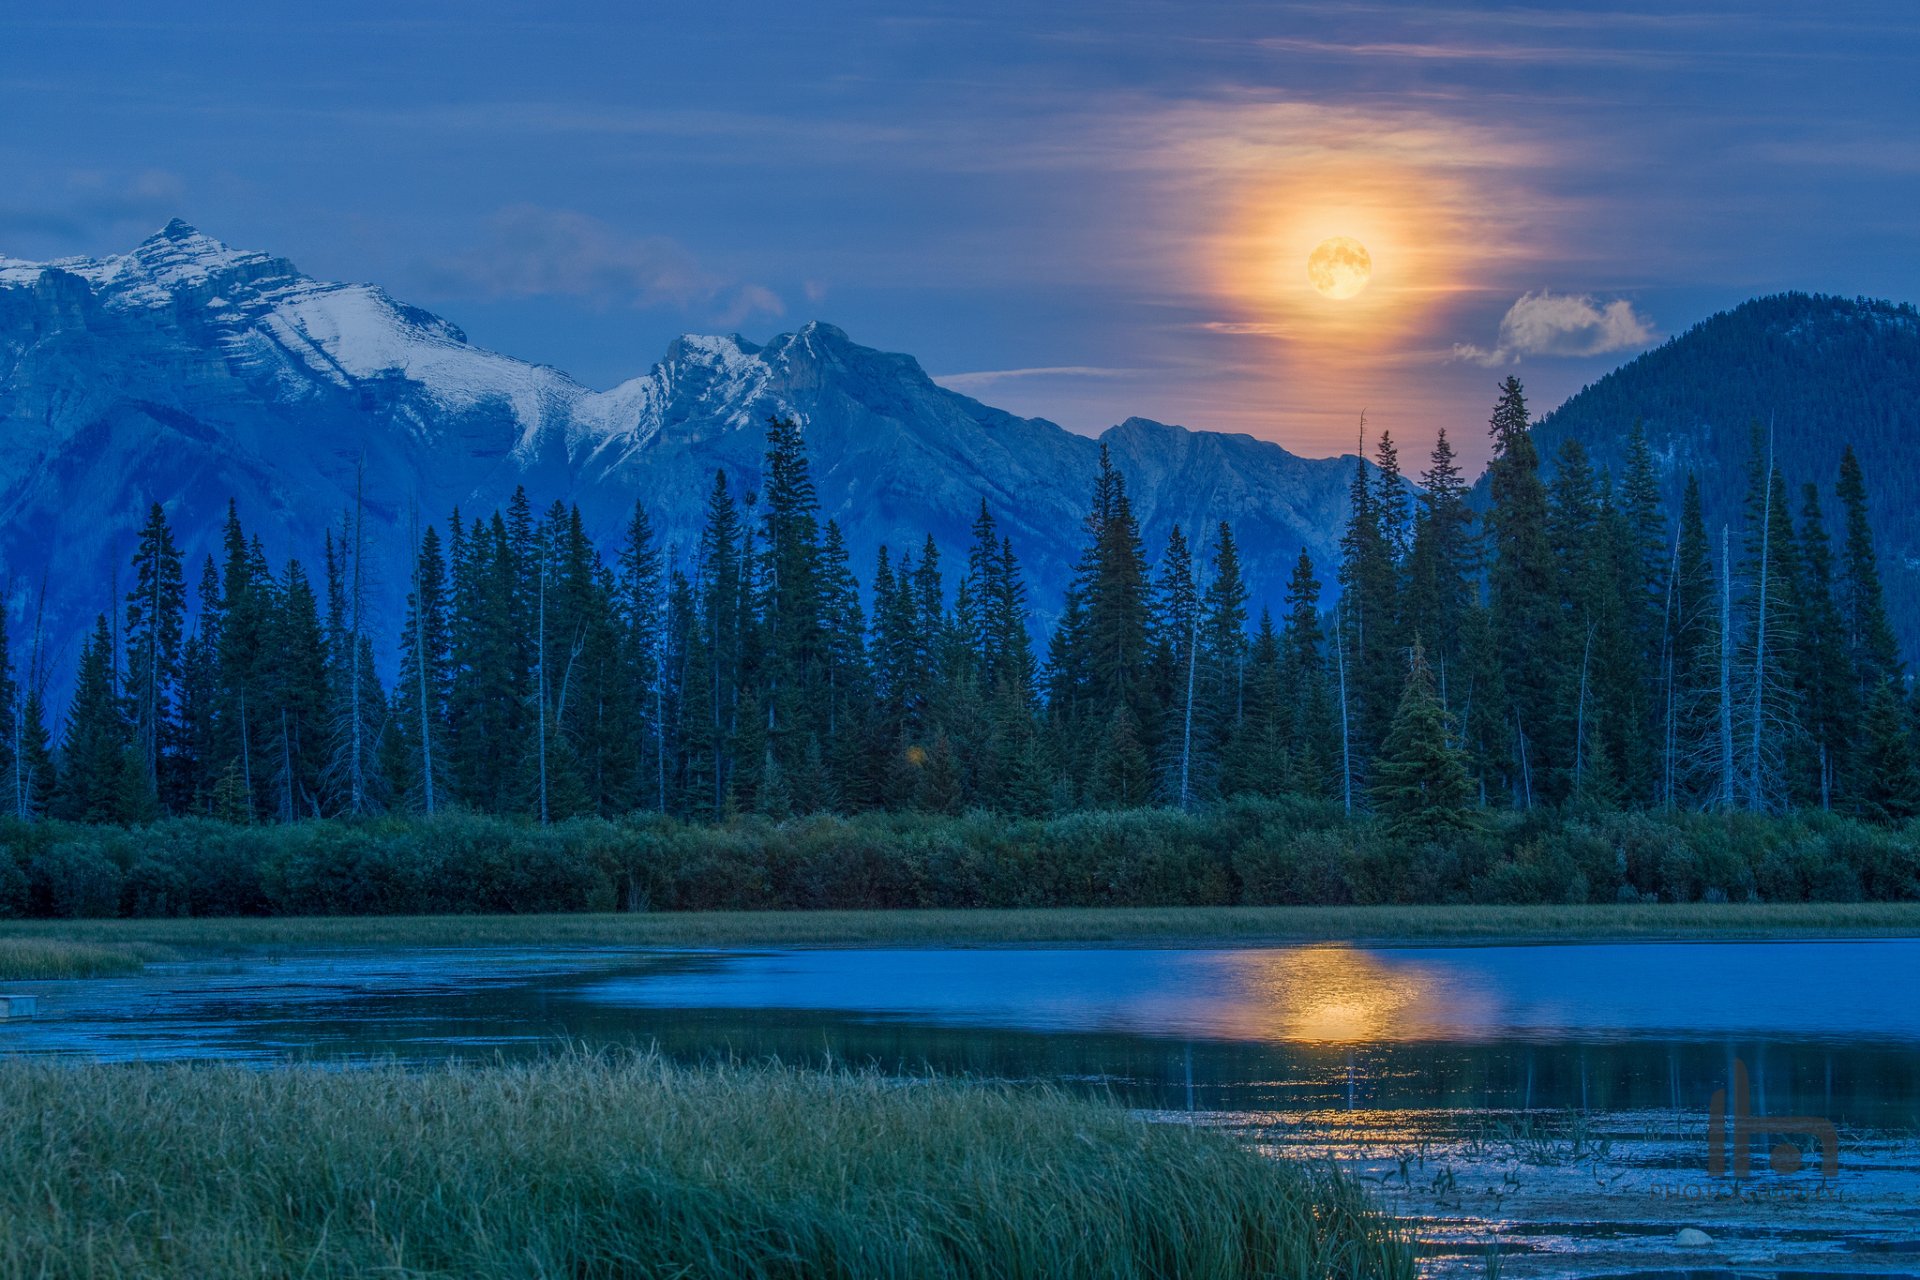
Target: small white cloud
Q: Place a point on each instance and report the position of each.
(1562, 324)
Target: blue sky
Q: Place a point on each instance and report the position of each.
(1082, 211)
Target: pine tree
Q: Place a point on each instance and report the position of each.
(1121, 778)
(358, 712)
(1863, 607)
(1523, 596)
(1174, 628)
(642, 595)
(296, 698)
(716, 660)
(1223, 642)
(1370, 657)
(11, 780)
(1114, 581)
(849, 678)
(94, 751)
(1644, 553)
(1828, 693)
(419, 764)
(1691, 685)
(155, 626)
(1441, 564)
(1306, 705)
(1889, 774)
(794, 692)
(1421, 786)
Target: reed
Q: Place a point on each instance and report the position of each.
(628, 1166)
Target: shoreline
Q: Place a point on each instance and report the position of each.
(1169, 927)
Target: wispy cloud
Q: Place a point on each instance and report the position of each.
(1457, 51)
(1562, 324)
(990, 377)
(530, 252)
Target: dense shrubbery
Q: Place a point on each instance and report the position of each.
(1248, 852)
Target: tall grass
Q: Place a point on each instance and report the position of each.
(36, 958)
(630, 1167)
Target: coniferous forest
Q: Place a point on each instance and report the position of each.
(1574, 694)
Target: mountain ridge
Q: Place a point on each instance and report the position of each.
(189, 372)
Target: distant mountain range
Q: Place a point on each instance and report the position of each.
(190, 373)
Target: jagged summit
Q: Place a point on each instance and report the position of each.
(188, 372)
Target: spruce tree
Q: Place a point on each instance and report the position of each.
(642, 600)
(419, 765)
(155, 630)
(1306, 705)
(1828, 694)
(1527, 620)
(1889, 774)
(793, 692)
(1863, 607)
(1421, 786)
(1369, 632)
(1223, 641)
(94, 751)
(1441, 563)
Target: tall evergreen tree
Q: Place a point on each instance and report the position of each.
(1828, 693)
(1863, 606)
(419, 764)
(1421, 786)
(1441, 565)
(155, 631)
(1527, 620)
(92, 784)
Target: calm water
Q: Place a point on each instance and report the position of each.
(1551, 1099)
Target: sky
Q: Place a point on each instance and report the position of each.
(1082, 211)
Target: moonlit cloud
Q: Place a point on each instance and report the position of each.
(1562, 324)
(533, 252)
(970, 382)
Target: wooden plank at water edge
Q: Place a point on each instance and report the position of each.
(12, 1007)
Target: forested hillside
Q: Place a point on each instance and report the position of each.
(1818, 371)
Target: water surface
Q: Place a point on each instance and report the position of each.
(1552, 1100)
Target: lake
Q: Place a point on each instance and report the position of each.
(1552, 1102)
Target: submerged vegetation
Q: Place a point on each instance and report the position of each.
(630, 1167)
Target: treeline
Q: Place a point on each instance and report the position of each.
(1576, 647)
(1247, 851)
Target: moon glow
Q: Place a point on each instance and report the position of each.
(1340, 267)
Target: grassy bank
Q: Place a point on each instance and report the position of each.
(590, 1167)
(31, 957)
(1142, 926)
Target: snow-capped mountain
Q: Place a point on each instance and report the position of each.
(191, 373)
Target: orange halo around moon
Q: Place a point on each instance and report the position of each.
(1342, 256)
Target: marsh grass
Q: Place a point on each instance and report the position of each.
(591, 1166)
(33, 958)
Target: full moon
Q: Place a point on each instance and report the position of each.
(1340, 267)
